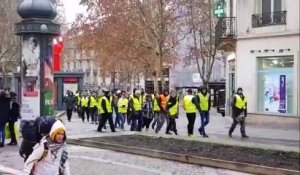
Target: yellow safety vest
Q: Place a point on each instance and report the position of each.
(84, 101)
(78, 100)
(93, 102)
(174, 109)
(137, 103)
(203, 101)
(101, 111)
(241, 104)
(122, 102)
(155, 105)
(108, 104)
(188, 105)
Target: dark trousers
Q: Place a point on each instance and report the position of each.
(136, 121)
(85, 110)
(204, 121)
(161, 121)
(105, 117)
(235, 122)
(191, 118)
(11, 125)
(118, 120)
(147, 122)
(172, 124)
(129, 118)
(69, 114)
(122, 117)
(93, 112)
(2, 133)
(155, 118)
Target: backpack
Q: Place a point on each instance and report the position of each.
(32, 133)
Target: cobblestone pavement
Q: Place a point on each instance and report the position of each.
(96, 161)
(91, 161)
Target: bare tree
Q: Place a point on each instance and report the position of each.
(9, 44)
(200, 21)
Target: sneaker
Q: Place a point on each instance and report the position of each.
(169, 133)
(1, 145)
(245, 136)
(205, 136)
(191, 135)
(230, 134)
(200, 131)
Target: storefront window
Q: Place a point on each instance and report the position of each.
(275, 85)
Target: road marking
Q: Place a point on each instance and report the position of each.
(122, 164)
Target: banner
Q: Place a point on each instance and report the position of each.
(275, 93)
(48, 85)
(30, 77)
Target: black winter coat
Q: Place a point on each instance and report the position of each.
(4, 109)
(14, 112)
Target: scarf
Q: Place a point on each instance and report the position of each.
(54, 147)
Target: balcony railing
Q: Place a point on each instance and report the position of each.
(269, 19)
(225, 28)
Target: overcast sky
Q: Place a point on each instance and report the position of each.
(72, 7)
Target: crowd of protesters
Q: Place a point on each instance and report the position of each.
(141, 110)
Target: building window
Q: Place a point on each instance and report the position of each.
(275, 85)
(270, 12)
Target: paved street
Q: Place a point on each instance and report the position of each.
(96, 161)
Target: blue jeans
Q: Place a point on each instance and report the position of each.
(204, 121)
(136, 121)
(122, 118)
(2, 133)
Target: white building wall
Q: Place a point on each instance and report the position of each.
(258, 39)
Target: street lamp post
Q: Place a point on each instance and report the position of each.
(37, 31)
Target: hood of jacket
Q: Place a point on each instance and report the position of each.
(57, 127)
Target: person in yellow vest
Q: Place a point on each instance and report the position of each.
(93, 106)
(172, 108)
(85, 102)
(78, 101)
(106, 110)
(99, 95)
(203, 99)
(122, 109)
(100, 110)
(136, 103)
(190, 106)
(163, 113)
(239, 112)
(156, 109)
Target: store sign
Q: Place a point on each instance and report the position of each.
(196, 78)
(71, 80)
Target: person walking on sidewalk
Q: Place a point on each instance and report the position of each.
(172, 109)
(148, 112)
(190, 106)
(85, 102)
(93, 107)
(116, 98)
(122, 109)
(136, 103)
(156, 109)
(203, 98)
(239, 112)
(78, 101)
(70, 102)
(54, 160)
(13, 117)
(163, 113)
(4, 113)
(106, 110)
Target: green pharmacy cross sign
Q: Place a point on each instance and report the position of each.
(219, 11)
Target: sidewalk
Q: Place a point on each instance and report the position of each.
(268, 138)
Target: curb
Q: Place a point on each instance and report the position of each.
(242, 167)
(60, 114)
